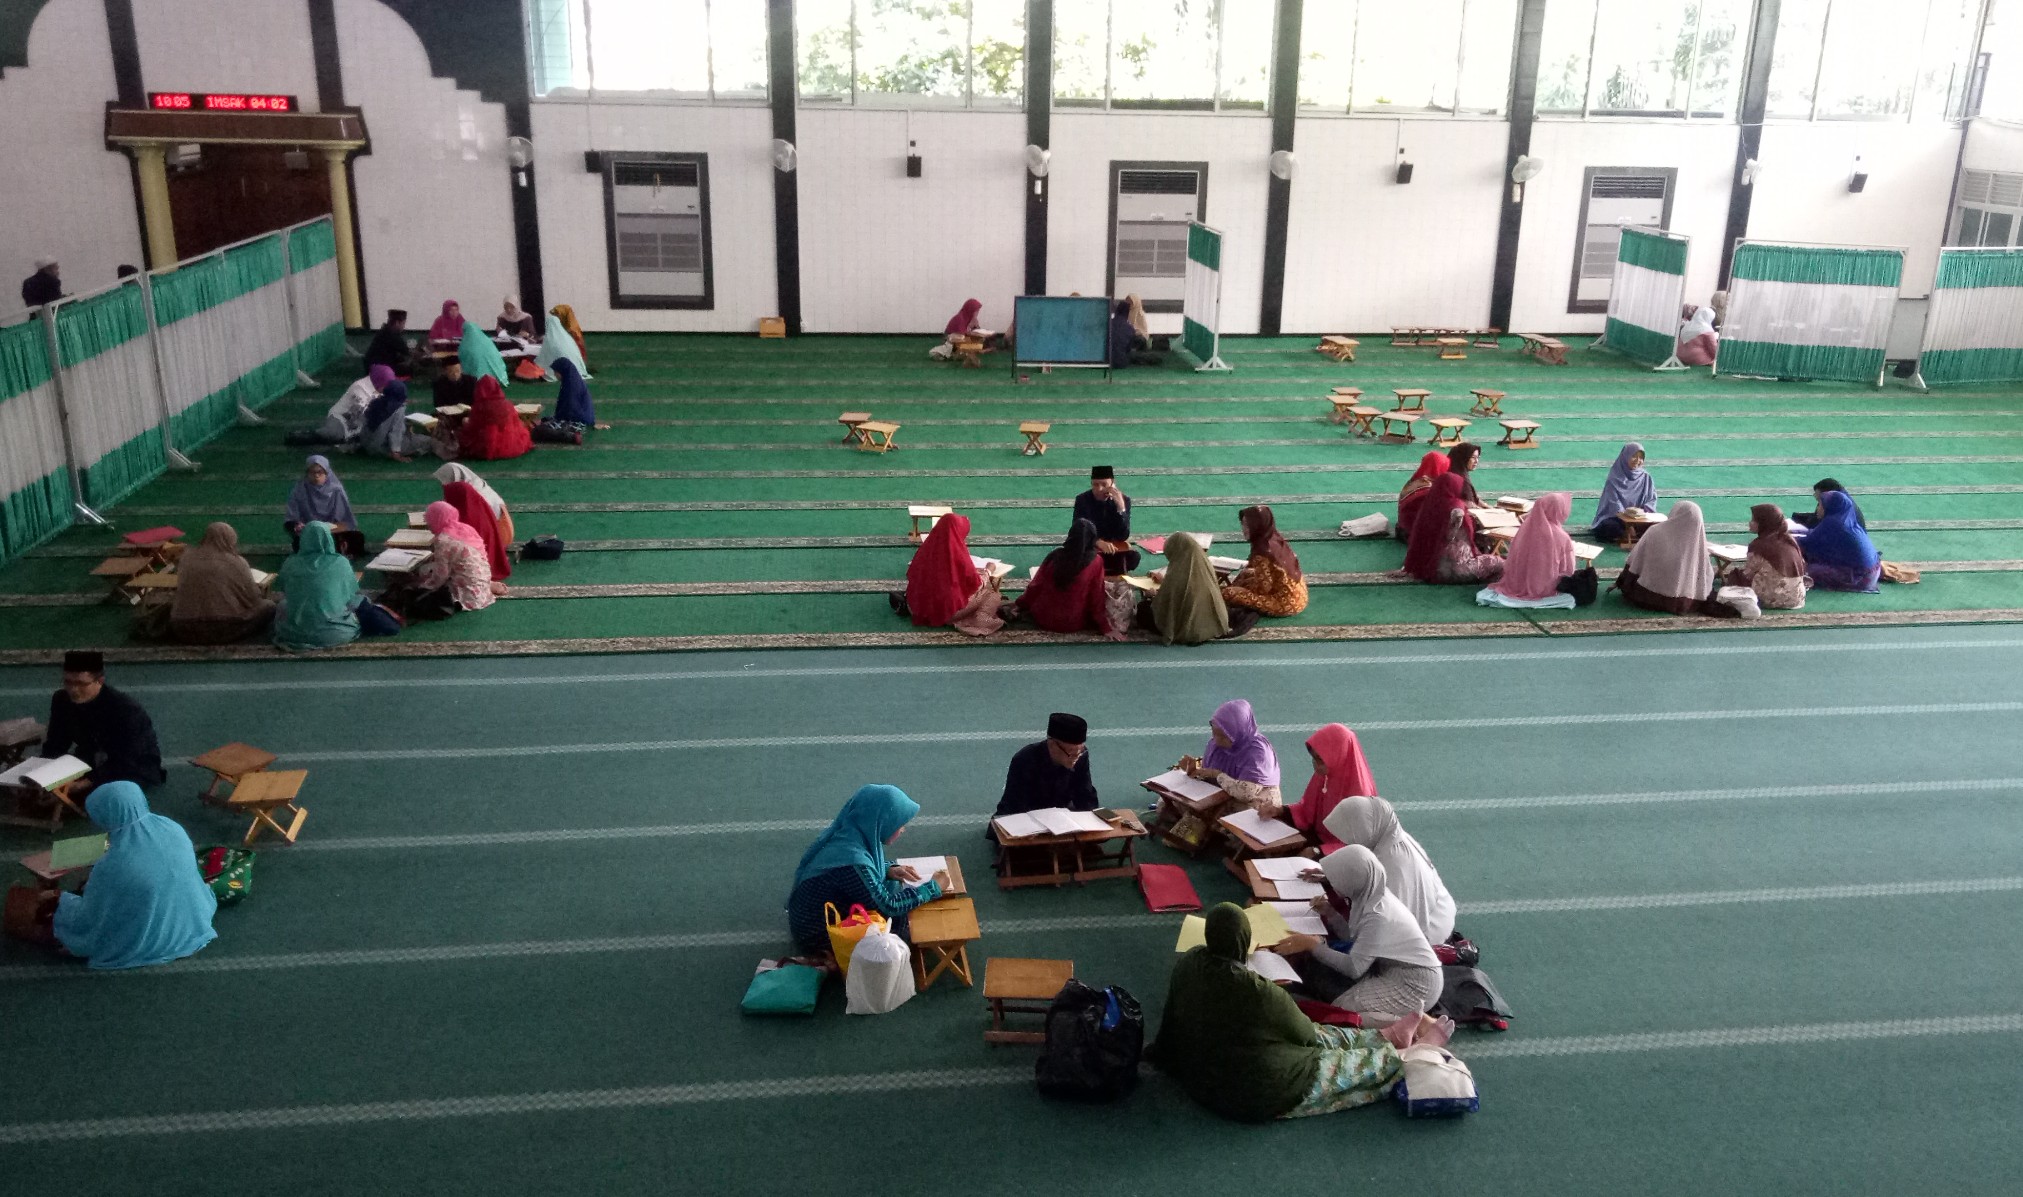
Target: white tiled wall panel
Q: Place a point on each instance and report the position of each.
(1803, 195)
(221, 45)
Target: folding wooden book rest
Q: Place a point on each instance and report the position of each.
(262, 794)
(1012, 985)
(1035, 432)
(229, 765)
(850, 420)
(942, 931)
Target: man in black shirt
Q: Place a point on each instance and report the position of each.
(1110, 510)
(43, 286)
(1052, 772)
(389, 345)
(101, 727)
(453, 386)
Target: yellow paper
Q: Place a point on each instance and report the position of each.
(1193, 933)
(1267, 927)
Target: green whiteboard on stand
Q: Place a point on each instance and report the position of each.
(1071, 331)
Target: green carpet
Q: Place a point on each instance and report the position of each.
(722, 471)
(1748, 952)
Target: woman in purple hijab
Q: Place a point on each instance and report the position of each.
(1239, 759)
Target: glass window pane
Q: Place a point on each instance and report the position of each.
(555, 46)
(1867, 68)
(1162, 50)
(649, 45)
(1081, 42)
(912, 47)
(737, 47)
(1326, 49)
(1406, 55)
(1643, 53)
(998, 49)
(1724, 38)
(1563, 55)
(1246, 51)
(1967, 228)
(823, 27)
(1488, 38)
(1800, 26)
(1996, 231)
(1949, 44)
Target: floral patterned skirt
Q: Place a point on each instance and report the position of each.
(1358, 1066)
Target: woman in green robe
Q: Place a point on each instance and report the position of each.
(480, 357)
(1188, 608)
(319, 595)
(1240, 1046)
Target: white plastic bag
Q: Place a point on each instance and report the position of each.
(880, 979)
(1436, 1083)
(1742, 598)
(1377, 524)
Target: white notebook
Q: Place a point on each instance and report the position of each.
(1283, 868)
(397, 561)
(1300, 917)
(1173, 781)
(1296, 890)
(1264, 831)
(1273, 967)
(926, 866)
(44, 772)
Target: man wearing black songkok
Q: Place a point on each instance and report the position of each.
(1110, 510)
(1051, 772)
(102, 727)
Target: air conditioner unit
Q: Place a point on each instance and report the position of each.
(1154, 207)
(656, 212)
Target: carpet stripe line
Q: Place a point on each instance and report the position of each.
(1499, 656)
(1001, 735)
(770, 937)
(858, 1084)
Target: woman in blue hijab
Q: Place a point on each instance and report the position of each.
(1627, 486)
(385, 431)
(145, 902)
(847, 866)
(572, 401)
(1838, 554)
(319, 496)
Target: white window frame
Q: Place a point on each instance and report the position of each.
(1109, 103)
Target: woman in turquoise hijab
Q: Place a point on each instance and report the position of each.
(319, 595)
(480, 357)
(847, 866)
(145, 902)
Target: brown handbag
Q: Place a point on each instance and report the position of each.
(28, 916)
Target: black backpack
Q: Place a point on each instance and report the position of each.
(1094, 1040)
(1469, 998)
(1582, 584)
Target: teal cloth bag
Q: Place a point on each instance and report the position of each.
(788, 989)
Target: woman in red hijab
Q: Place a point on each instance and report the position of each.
(492, 431)
(963, 322)
(943, 586)
(1431, 467)
(1339, 772)
(475, 512)
(1442, 548)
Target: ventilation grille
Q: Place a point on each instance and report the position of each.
(1157, 182)
(655, 174)
(1628, 187)
(660, 244)
(1991, 187)
(1151, 249)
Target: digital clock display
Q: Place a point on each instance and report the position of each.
(186, 101)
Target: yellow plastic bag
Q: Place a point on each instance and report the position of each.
(847, 931)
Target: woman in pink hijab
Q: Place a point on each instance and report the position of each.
(963, 323)
(1339, 771)
(449, 326)
(1541, 553)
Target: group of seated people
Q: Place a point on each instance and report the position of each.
(1081, 586)
(1130, 334)
(1669, 567)
(1238, 1044)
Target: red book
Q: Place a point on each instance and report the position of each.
(146, 537)
(1327, 1015)
(1167, 889)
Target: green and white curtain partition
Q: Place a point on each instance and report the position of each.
(312, 285)
(1201, 309)
(109, 393)
(34, 476)
(1974, 322)
(1646, 297)
(225, 337)
(1810, 311)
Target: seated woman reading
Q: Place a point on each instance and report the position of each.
(476, 514)
(458, 472)
(1240, 1046)
(1390, 970)
(319, 496)
(1669, 569)
(945, 589)
(1238, 759)
(963, 326)
(1810, 519)
(846, 866)
(1775, 567)
(1339, 772)
(515, 321)
(567, 315)
(1271, 584)
(1541, 554)
(386, 432)
(1462, 460)
(145, 902)
(321, 606)
(1416, 490)
(1188, 608)
(1627, 486)
(456, 576)
(216, 600)
(1408, 872)
(493, 430)
(1067, 593)
(1838, 554)
(558, 346)
(479, 357)
(446, 331)
(1442, 549)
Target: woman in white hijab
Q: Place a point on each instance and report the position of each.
(1697, 339)
(1669, 569)
(559, 344)
(1391, 969)
(459, 472)
(1409, 872)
